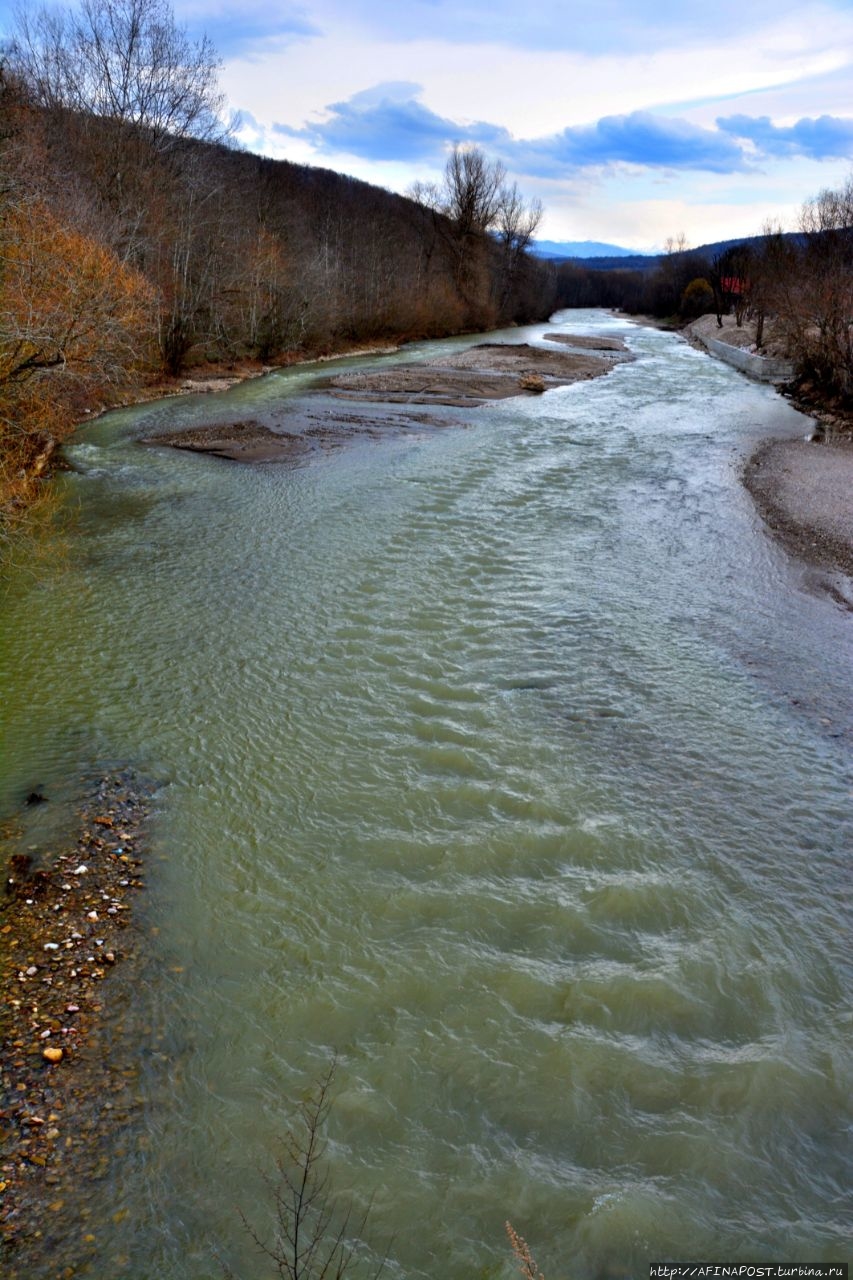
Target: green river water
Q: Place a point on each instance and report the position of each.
(509, 761)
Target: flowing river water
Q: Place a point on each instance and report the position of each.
(510, 762)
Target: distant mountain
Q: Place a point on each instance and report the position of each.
(625, 260)
(579, 249)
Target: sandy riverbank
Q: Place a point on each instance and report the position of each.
(488, 371)
(804, 491)
(295, 434)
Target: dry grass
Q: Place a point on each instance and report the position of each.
(524, 1259)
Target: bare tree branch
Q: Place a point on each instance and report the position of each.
(311, 1239)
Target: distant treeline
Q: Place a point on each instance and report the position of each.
(135, 238)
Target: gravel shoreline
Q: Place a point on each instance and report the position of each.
(485, 372)
(804, 492)
(66, 1063)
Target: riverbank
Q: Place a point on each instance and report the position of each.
(68, 1078)
(737, 345)
(801, 487)
(23, 478)
(802, 490)
(206, 379)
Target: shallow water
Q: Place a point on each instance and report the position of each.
(510, 762)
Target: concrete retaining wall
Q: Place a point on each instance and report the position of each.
(763, 368)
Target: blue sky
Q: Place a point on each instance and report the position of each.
(630, 121)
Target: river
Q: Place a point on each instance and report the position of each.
(510, 762)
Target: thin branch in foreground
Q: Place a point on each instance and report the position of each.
(310, 1239)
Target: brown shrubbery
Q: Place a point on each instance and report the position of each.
(73, 326)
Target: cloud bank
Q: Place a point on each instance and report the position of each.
(823, 138)
(388, 122)
(592, 27)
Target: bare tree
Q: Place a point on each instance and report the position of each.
(473, 187)
(474, 199)
(516, 225)
(125, 60)
(825, 346)
(429, 194)
(125, 87)
(731, 279)
(517, 222)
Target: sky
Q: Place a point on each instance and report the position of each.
(631, 121)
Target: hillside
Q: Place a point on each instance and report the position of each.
(133, 253)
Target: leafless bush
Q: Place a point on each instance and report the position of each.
(311, 1237)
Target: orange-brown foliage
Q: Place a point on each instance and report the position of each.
(73, 321)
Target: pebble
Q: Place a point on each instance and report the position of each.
(53, 1055)
(81, 870)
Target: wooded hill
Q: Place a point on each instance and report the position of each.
(137, 242)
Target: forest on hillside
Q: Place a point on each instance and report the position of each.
(138, 242)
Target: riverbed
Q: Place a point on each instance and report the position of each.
(507, 759)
